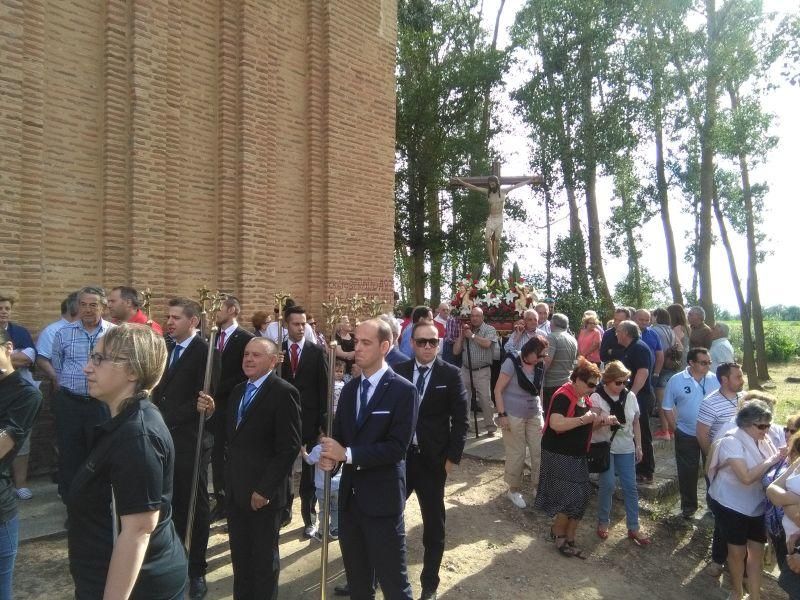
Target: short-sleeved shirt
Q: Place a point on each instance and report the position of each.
(23, 342)
(134, 454)
(720, 352)
(726, 488)
(19, 404)
(563, 352)
(638, 356)
(481, 357)
(716, 410)
(72, 346)
(650, 338)
(610, 348)
(623, 442)
(586, 339)
(685, 394)
(517, 401)
(44, 344)
(573, 442)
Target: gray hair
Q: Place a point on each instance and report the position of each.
(71, 305)
(723, 329)
(530, 312)
(630, 328)
(392, 323)
(699, 310)
(753, 411)
(559, 320)
(93, 290)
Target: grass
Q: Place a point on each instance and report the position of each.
(788, 394)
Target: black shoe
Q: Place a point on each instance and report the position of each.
(342, 590)
(197, 587)
(218, 514)
(287, 518)
(428, 595)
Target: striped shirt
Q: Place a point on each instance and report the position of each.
(716, 410)
(71, 348)
(481, 357)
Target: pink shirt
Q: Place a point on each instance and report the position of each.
(586, 339)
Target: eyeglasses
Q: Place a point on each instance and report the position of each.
(762, 426)
(98, 359)
(422, 342)
(591, 384)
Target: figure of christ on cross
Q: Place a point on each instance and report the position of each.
(496, 195)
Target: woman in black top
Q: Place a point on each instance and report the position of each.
(347, 344)
(564, 488)
(139, 554)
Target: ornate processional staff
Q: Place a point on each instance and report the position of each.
(210, 304)
(280, 302)
(326, 497)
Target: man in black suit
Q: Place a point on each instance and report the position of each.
(374, 423)
(231, 342)
(438, 442)
(263, 428)
(304, 366)
(175, 397)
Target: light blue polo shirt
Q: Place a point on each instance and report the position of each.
(685, 394)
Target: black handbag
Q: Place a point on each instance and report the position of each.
(599, 456)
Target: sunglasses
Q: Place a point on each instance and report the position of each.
(591, 384)
(422, 342)
(762, 426)
(622, 382)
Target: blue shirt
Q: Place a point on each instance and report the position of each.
(44, 345)
(650, 338)
(685, 393)
(72, 346)
(395, 357)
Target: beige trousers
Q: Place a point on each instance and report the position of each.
(482, 378)
(521, 435)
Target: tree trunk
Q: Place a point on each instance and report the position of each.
(706, 299)
(753, 296)
(748, 364)
(633, 265)
(661, 189)
(435, 245)
(549, 252)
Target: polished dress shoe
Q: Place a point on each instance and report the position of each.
(197, 587)
(428, 595)
(342, 590)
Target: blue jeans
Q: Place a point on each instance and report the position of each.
(334, 521)
(624, 467)
(9, 540)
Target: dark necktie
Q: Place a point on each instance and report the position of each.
(295, 357)
(176, 354)
(362, 401)
(221, 341)
(422, 372)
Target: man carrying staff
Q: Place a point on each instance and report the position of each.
(175, 395)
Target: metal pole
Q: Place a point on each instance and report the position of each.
(326, 497)
(472, 387)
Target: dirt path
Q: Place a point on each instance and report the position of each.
(494, 551)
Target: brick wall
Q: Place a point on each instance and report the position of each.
(243, 144)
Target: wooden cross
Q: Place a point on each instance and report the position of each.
(483, 180)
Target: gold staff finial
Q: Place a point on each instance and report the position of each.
(376, 306)
(146, 302)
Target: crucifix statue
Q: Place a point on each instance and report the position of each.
(492, 187)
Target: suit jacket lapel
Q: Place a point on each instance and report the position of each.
(170, 372)
(256, 399)
(377, 395)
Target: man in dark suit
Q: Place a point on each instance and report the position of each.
(438, 442)
(175, 397)
(374, 423)
(263, 428)
(305, 367)
(231, 342)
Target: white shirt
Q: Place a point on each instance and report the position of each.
(183, 345)
(720, 352)
(300, 344)
(544, 328)
(623, 442)
(272, 333)
(228, 333)
(726, 488)
(373, 379)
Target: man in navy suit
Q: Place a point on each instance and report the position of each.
(374, 424)
(438, 442)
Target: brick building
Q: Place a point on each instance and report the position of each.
(243, 144)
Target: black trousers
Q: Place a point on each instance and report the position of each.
(76, 417)
(648, 464)
(218, 453)
(308, 492)
(374, 546)
(427, 478)
(181, 492)
(687, 460)
(255, 557)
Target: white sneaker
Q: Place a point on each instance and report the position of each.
(310, 531)
(516, 499)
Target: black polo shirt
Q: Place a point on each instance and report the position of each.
(132, 452)
(638, 356)
(572, 442)
(20, 402)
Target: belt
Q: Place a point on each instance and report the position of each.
(476, 368)
(74, 396)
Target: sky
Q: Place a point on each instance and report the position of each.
(778, 283)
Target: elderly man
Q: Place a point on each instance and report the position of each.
(524, 329)
(560, 360)
(475, 344)
(125, 306)
(650, 337)
(639, 361)
(721, 350)
(610, 348)
(699, 333)
(75, 411)
(394, 357)
(684, 394)
(44, 343)
(542, 318)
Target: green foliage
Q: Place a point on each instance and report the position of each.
(780, 346)
(649, 293)
(568, 301)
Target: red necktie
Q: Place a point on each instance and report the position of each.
(295, 357)
(221, 342)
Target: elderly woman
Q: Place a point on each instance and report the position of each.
(136, 552)
(589, 338)
(736, 465)
(564, 487)
(782, 504)
(519, 413)
(612, 398)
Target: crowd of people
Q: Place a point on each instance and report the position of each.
(127, 397)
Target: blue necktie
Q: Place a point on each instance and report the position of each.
(246, 400)
(176, 354)
(362, 401)
(422, 372)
